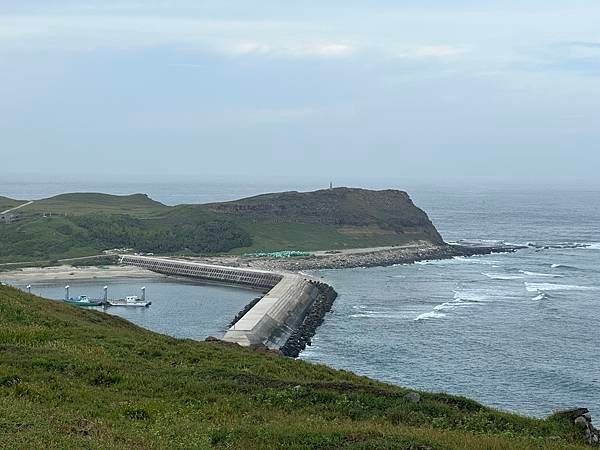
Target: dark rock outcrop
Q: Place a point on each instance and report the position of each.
(583, 421)
(301, 337)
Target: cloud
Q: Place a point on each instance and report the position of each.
(294, 50)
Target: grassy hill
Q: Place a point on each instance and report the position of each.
(7, 203)
(328, 219)
(136, 205)
(75, 225)
(71, 378)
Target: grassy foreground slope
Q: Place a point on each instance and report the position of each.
(76, 378)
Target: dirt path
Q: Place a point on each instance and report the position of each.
(17, 207)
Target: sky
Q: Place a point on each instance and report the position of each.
(434, 90)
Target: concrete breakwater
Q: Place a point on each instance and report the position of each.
(280, 315)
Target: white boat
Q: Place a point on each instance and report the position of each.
(130, 300)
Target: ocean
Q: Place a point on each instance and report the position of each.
(519, 332)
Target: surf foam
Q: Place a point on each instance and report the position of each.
(500, 276)
(539, 274)
(540, 287)
(430, 315)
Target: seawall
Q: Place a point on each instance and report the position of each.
(285, 318)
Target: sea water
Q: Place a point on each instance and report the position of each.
(520, 331)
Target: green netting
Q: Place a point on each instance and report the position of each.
(280, 254)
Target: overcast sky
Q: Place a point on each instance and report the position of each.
(422, 89)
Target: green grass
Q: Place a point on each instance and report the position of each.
(310, 237)
(72, 378)
(7, 203)
(135, 205)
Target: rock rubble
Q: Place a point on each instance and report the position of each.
(583, 420)
(301, 337)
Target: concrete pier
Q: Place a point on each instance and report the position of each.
(272, 320)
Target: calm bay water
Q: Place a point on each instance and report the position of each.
(179, 308)
(519, 331)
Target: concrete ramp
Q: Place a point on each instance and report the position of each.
(277, 315)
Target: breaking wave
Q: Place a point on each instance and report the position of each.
(500, 276)
(540, 287)
(541, 296)
(538, 274)
(430, 315)
(563, 266)
(462, 299)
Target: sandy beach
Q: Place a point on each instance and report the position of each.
(66, 273)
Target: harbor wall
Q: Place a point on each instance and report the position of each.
(261, 280)
(276, 318)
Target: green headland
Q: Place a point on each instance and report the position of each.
(87, 224)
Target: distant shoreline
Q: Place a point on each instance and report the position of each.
(361, 257)
(320, 260)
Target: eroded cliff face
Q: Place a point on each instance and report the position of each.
(353, 210)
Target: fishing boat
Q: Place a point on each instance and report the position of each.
(131, 300)
(83, 300)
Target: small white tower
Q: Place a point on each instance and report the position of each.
(144, 293)
(67, 292)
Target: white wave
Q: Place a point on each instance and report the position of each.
(480, 242)
(430, 315)
(540, 296)
(452, 305)
(500, 276)
(593, 246)
(359, 307)
(470, 296)
(563, 266)
(475, 260)
(538, 274)
(540, 287)
(375, 315)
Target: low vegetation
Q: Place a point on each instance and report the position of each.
(72, 378)
(77, 225)
(7, 203)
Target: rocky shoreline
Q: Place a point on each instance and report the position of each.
(377, 257)
(301, 337)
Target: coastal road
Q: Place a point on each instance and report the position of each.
(17, 207)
